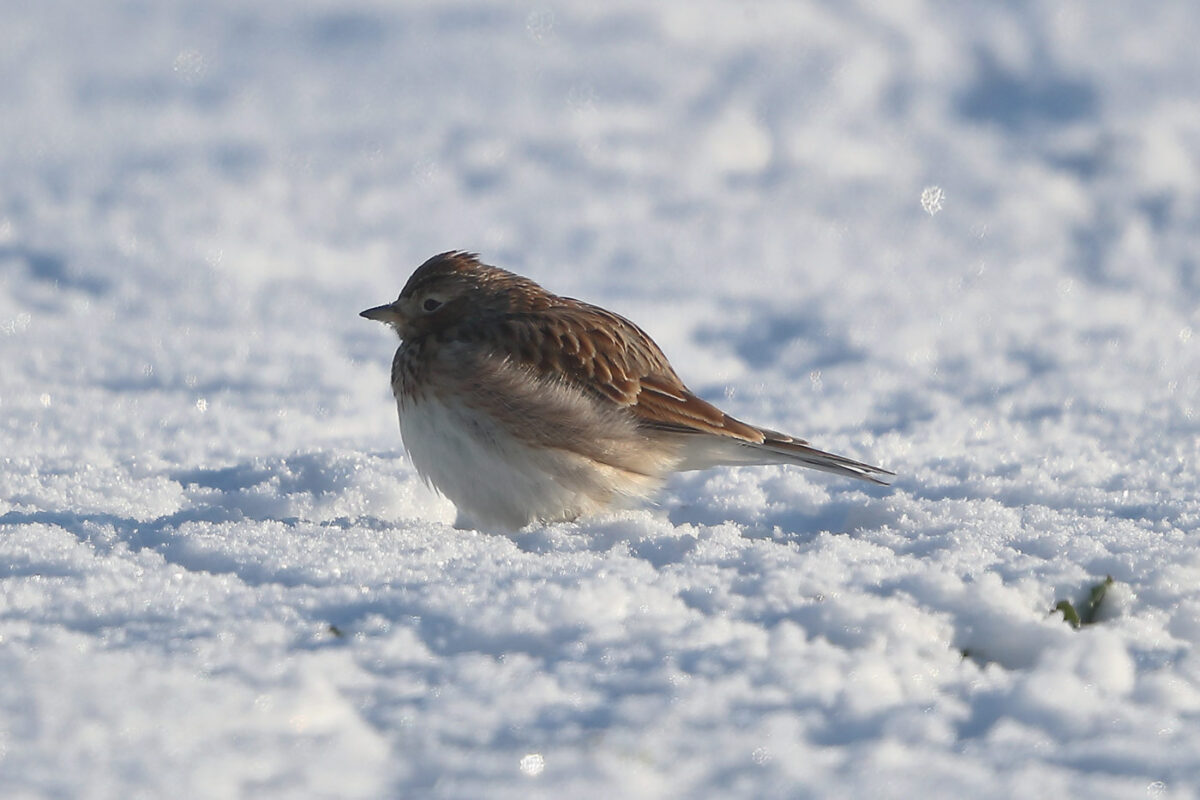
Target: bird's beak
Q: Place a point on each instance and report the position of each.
(387, 314)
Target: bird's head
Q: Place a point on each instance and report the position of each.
(452, 286)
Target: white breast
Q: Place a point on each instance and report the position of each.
(495, 479)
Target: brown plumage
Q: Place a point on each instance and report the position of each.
(495, 375)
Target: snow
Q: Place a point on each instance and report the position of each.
(222, 578)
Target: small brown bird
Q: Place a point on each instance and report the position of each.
(520, 405)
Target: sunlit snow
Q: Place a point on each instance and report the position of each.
(220, 576)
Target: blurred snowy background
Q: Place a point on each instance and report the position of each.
(960, 240)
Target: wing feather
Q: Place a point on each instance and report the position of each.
(613, 360)
(610, 357)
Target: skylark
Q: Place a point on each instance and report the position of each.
(520, 405)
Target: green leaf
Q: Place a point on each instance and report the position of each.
(1095, 598)
(1091, 608)
(1069, 613)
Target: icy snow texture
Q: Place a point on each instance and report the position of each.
(222, 578)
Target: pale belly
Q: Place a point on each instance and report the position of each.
(494, 479)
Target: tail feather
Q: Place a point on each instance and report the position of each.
(813, 458)
(705, 451)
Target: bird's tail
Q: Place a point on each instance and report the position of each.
(702, 452)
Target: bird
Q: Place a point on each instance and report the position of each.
(522, 406)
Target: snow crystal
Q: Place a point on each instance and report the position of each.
(220, 576)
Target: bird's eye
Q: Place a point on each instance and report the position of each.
(430, 304)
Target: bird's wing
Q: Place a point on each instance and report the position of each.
(611, 359)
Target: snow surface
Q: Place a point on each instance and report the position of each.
(959, 240)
